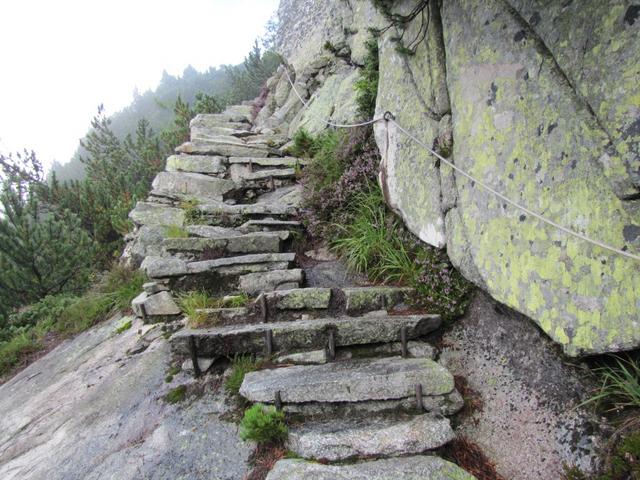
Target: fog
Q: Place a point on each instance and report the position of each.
(61, 59)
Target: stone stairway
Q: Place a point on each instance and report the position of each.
(348, 365)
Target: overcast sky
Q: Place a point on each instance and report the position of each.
(61, 58)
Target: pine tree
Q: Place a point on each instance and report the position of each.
(42, 251)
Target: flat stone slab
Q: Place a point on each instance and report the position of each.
(305, 334)
(256, 283)
(349, 381)
(210, 120)
(369, 437)
(269, 224)
(406, 468)
(208, 231)
(196, 164)
(225, 149)
(195, 184)
(270, 173)
(270, 161)
(223, 316)
(299, 299)
(373, 298)
(159, 305)
(257, 242)
(163, 267)
(152, 214)
(222, 264)
(260, 208)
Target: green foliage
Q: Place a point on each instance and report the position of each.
(192, 214)
(176, 395)
(43, 249)
(248, 78)
(240, 366)
(367, 85)
(371, 244)
(66, 314)
(263, 424)
(327, 166)
(303, 144)
(345, 206)
(175, 231)
(13, 351)
(620, 384)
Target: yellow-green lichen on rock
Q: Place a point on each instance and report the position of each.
(519, 126)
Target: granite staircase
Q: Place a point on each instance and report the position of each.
(348, 364)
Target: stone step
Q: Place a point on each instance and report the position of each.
(223, 210)
(415, 349)
(299, 299)
(289, 337)
(192, 184)
(258, 242)
(196, 164)
(422, 467)
(267, 174)
(206, 133)
(256, 283)
(269, 224)
(208, 231)
(363, 299)
(223, 316)
(212, 120)
(165, 267)
(226, 149)
(146, 213)
(289, 162)
(352, 381)
(157, 307)
(379, 436)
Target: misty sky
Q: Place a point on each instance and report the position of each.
(60, 59)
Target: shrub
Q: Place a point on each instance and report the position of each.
(263, 424)
(241, 365)
(303, 144)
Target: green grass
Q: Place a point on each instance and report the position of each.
(371, 244)
(176, 395)
(263, 424)
(192, 302)
(175, 231)
(67, 315)
(620, 384)
(241, 365)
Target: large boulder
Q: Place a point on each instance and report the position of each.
(522, 120)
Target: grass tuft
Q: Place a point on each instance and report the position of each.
(176, 395)
(241, 365)
(124, 326)
(620, 384)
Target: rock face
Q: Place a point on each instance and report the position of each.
(539, 100)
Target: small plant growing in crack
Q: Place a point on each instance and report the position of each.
(263, 424)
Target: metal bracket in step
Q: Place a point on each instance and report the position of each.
(194, 356)
(268, 342)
